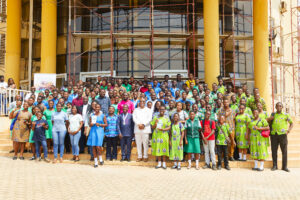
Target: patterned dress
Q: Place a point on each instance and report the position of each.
(47, 114)
(21, 130)
(160, 139)
(241, 122)
(176, 151)
(258, 144)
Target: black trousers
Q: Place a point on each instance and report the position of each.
(126, 147)
(111, 147)
(279, 140)
(222, 149)
(82, 141)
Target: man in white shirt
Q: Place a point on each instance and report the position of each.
(142, 117)
(3, 84)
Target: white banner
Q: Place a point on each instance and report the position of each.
(44, 81)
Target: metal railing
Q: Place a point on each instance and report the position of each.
(8, 96)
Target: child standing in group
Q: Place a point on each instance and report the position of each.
(222, 141)
(39, 128)
(176, 142)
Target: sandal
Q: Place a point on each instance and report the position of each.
(54, 161)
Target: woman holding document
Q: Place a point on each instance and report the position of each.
(97, 123)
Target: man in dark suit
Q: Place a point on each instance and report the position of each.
(83, 110)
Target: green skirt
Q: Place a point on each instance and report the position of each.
(49, 131)
(193, 145)
(30, 137)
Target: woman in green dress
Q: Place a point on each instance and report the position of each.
(48, 114)
(248, 111)
(258, 143)
(192, 142)
(241, 123)
(160, 139)
(262, 114)
(176, 142)
(31, 142)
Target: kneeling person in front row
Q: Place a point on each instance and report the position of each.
(39, 128)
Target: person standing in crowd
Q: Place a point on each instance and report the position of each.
(258, 143)
(48, 114)
(190, 80)
(104, 102)
(192, 142)
(97, 123)
(208, 138)
(229, 119)
(74, 129)
(3, 84)
(60, 121)
(142, 117)
(83, 110)
(125, 127)
(21, 129)
(127, 102)
(160, 139)
(31, 142)
(176, 142)
(281, 126)
(111, 134)
(78, 101)
(241, 123)
(222, 140)
(39, 126)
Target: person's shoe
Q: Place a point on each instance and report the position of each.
(61, 160)
(54, 160)
(108, 158)
(260, 170)
(92, 158)
(32, 158)
(243, 160)
(15, 158)
(102, 163)
(214, 167)
(178, 168)
(197, 167)
(123, 159)
(255, 169)
(274, 168)
(47, 160)
(139, 160)
(164, 167)
(174, 167)
(206, 166)
(21, 158)
(219, 167)
(77, 159)
(286, 170)
(111, 159)
(95, 166)
(72, 159)
(40, 158)
(157, 167)
(128, 160)
(12, 151)
(189, 167)
(145, 159)
(227, 167)
(231, 159)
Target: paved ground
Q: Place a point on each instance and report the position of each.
(39, 180)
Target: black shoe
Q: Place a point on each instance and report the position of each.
(214, 167)
(207, 166)
(123, 159)
(32, 158)
(164, 167)
(274, 168)
(128, 160)
(219, 167)
(286, 170)
(102, 163)
(22, 158)
(231, 159)
(15, 158)
(174, 167)
(95, 166)
(178, 168)
(157, 167)
(111, 159)
(12, 151)
(227, 167)
(255, 169)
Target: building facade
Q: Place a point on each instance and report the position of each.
(246, 41)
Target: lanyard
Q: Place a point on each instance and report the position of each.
(124, 118)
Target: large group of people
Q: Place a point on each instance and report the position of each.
(179, 119)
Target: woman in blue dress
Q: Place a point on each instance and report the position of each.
(97, 123)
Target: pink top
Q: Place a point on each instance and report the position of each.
(130, 106)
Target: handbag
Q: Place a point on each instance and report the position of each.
(266, 133)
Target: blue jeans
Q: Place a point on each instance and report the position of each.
(37, 148)
(58, 139)
(74, 142)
